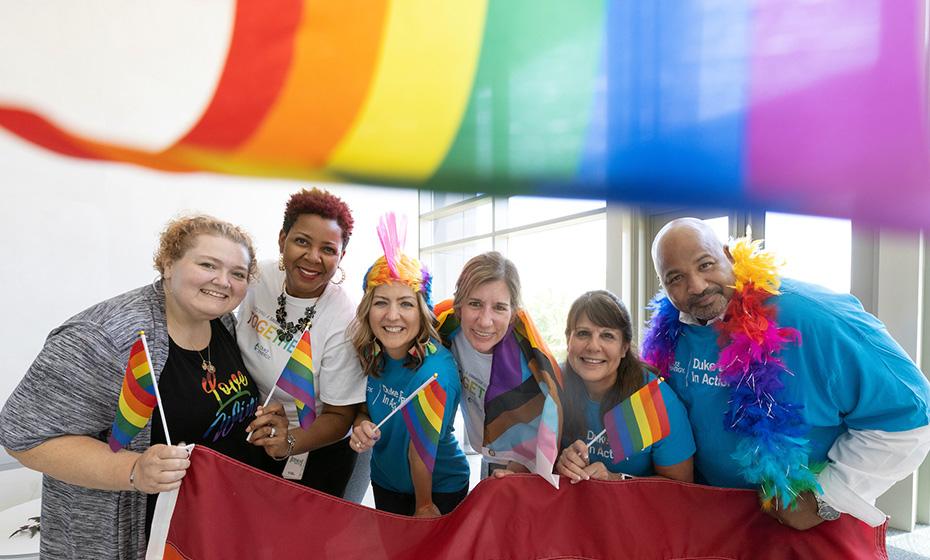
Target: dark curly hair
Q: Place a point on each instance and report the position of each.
(323, 204)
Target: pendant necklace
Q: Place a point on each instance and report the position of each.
(209, 370)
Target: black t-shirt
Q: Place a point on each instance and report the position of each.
(209, 410)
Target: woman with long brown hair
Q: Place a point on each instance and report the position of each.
(602, 370)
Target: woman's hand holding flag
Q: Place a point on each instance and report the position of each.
(364, 436)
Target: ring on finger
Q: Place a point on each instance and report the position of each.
(272, 432)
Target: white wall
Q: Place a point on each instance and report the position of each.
(74, 233)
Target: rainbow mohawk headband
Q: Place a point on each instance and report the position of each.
(395, 266)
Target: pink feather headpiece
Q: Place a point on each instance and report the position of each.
(395, 266)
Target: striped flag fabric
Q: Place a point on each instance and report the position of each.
(637, 422)
(136, 398)
(751, 143)
(297, 380)
(522, 411)
(522, 408)
(423, 416)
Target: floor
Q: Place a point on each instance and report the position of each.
(909, 546)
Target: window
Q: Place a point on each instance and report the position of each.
(816, 250)
(558, 246)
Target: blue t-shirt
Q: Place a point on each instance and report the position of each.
(674, 448)
(390, 465)
(848, 373)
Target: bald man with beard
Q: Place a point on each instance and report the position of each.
(864, 404)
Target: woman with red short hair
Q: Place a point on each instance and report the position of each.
(304, 290)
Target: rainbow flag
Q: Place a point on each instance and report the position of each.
(433, 94)
(423, 416)
(637, 422)
(297, 381)
(136, 398)
(522, 409)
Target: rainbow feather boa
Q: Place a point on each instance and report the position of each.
(774, 450)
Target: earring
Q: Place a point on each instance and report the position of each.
(414, 351)
(376, 349)
(281, 262)
(341, 280)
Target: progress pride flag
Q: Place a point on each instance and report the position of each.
(225, 509)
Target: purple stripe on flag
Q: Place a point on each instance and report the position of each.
(293, 390)
(426, 451)
(839, 117)
(506, 369)
(617, 435)
(306, 414)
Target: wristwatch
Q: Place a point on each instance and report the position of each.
(291, 440)
(825, 511)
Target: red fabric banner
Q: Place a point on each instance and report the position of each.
(229, 510)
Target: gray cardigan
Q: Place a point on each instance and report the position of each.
(73, 387)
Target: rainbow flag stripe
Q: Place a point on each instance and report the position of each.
(637, 422)
(423, 416)
(297, 381)
(455, 93)
(136, 399)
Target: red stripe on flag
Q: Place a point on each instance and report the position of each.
(649, 409)
(136, 397)
(642, 518)
(661, 413)
(257, 64)
(436, 397)
(42, 132)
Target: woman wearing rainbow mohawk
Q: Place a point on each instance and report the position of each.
(417, 467)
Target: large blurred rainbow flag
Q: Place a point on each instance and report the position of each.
(814, 107)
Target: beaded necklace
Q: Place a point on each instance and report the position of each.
(288, 329)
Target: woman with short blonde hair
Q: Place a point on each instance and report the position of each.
(62, 413)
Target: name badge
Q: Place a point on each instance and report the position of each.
(294, 468)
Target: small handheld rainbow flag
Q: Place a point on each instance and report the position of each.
(297, 381)
(637, 422)
(424, 421)
(136, 398)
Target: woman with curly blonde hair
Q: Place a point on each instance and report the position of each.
(59, 418)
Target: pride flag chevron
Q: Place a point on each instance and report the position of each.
(297, 381)
(637, 422)
(423, 417)
(136, 398)
(522, 409)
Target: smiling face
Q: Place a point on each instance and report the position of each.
(486, 314)
(208, 281)
(594, 353)
(394, 318)
(312, 250)
(695, 270)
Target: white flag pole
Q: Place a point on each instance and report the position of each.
(161, 407)
(404, 402)
(597, 437)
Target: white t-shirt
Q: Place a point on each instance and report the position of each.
(475, 373)
(338, 378)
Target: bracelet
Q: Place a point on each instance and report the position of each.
(132, 474)
(290, 448)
